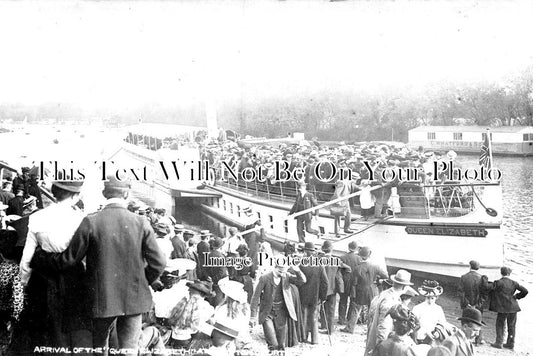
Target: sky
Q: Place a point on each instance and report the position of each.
(123, 54)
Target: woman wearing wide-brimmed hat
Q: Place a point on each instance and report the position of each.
(190, 313)
(428, 313)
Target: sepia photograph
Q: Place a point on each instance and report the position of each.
(266, 177)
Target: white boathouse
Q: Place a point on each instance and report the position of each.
(506, 140)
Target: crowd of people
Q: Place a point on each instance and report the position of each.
(131, 277)
(307, 156)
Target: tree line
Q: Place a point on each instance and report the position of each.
(387, 115)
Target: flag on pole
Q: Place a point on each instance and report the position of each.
(485, 159)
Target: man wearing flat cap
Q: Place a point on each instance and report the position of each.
(504, 301)
(304, 201)
(122, 260)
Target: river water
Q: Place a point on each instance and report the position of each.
(85, 144)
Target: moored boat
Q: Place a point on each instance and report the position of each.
(436, 230)
(506, 140)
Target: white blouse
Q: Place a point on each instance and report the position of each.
(51, 228)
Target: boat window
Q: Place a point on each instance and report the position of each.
(238, 211)
(231, 208)
(271, 221)
(431, 135)
(218, 203)
(258, 215)
(224, 203)
(286, 226)
(458, 136)
(528, 137)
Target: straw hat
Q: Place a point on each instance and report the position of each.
(233, 289)
(402, 277)
(181, 265)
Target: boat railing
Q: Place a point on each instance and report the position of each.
(444, 200)
(417, 201)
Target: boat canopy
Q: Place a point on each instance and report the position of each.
(157, 136)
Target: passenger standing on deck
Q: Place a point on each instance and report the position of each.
(304, 201)
(504, 301)
(342, 189)
(366, 199)
(122, 260)
(470, 290)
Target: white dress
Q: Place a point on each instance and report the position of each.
(428, 316)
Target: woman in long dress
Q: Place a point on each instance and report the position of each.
(56, 299)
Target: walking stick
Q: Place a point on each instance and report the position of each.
(326, 322)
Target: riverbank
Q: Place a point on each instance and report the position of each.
(354, 344)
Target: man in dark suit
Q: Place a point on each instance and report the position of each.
(365, 276)
(504, 302)
(304, 201)
(312, 293)
(470, 291)
(122, 260)
(352, 259)
(202, 249)
(274, 298)
(180, 247)
(216, 271)
(460, 342)
(335, 285)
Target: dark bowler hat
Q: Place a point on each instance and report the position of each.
(217, 242)
(114, 183)
(69, 186)
(327, 246)
(309, 246)
(365, 252)
(352, 246)
(473, 315)
(203, 287)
